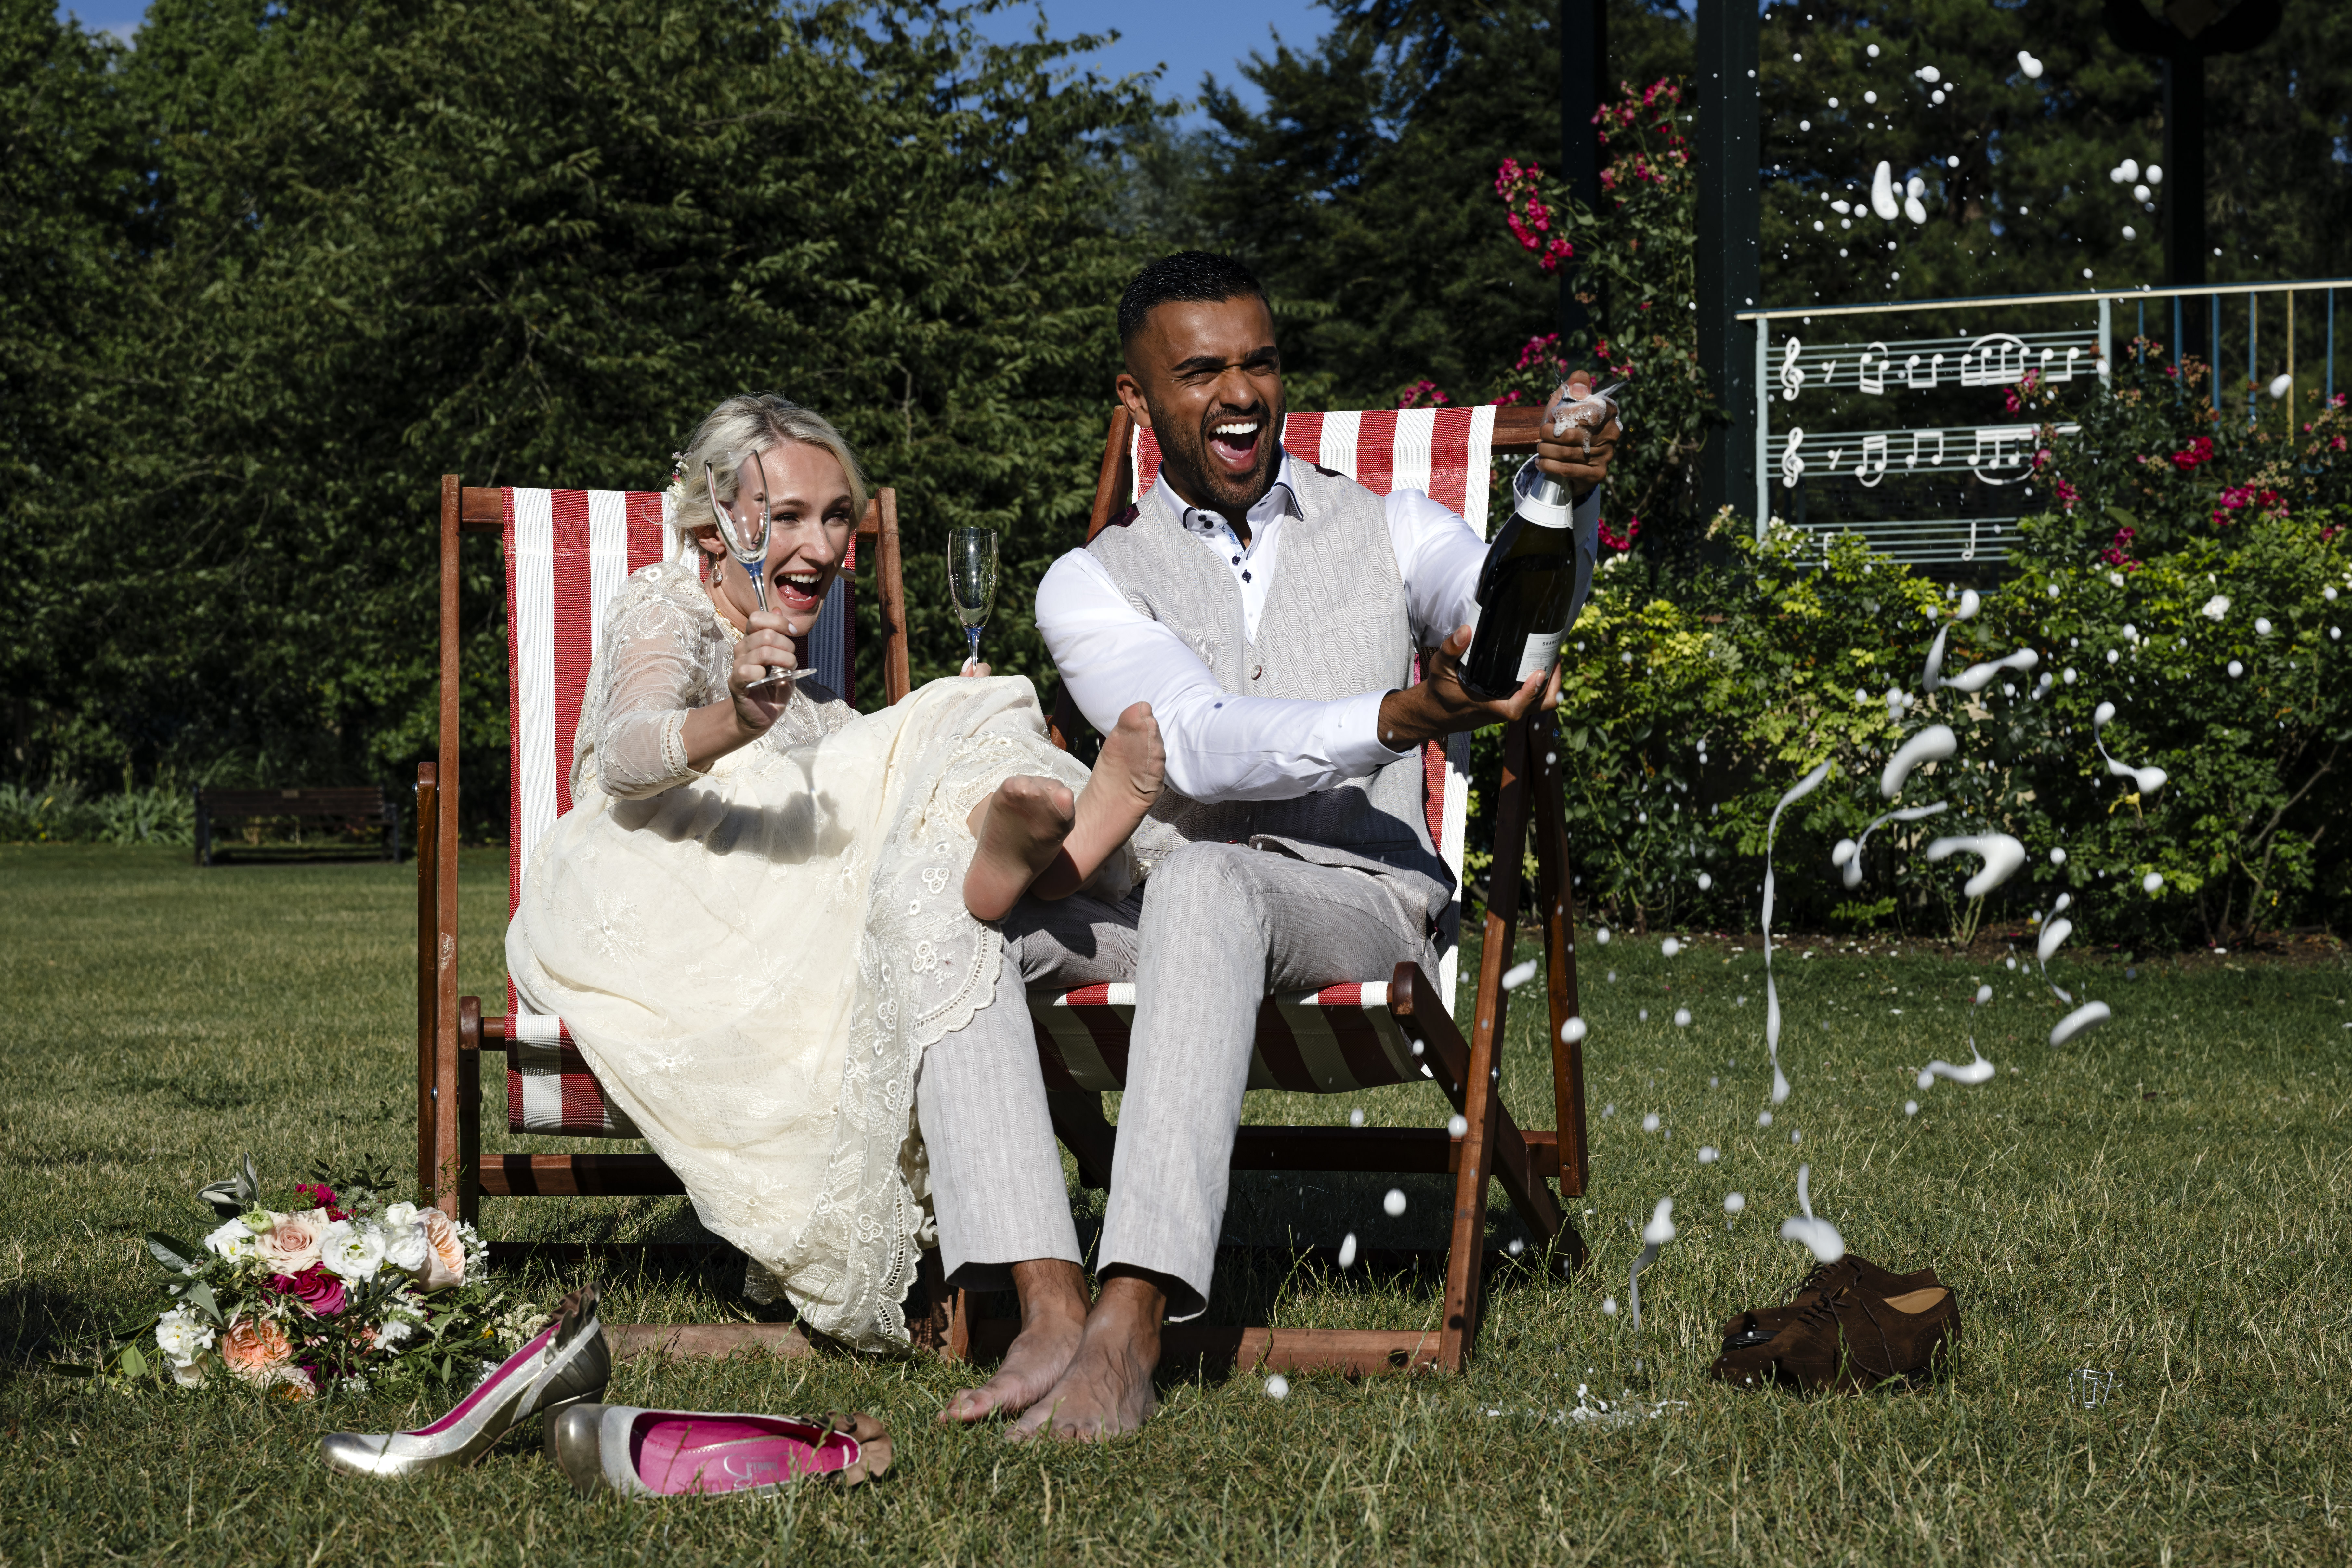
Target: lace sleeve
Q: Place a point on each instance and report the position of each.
(658, 659)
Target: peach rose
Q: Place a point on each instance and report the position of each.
(445, 1252)
(257, 1350)
(293, 1241)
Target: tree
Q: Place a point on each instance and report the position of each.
(1364, 190)
(532, 245)
(2018, 197)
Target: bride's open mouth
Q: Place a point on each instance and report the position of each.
(1233, 443)
(799, 593)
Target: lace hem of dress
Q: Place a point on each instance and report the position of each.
(875, 1200)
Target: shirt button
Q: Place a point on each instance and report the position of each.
(1237, 559)
(1246, 576)
(1256, 670)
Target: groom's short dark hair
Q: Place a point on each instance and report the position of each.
(1189, 277)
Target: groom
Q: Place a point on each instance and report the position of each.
(1270, 612)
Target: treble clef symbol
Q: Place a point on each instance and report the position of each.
(1792, 380)
(1792, 467)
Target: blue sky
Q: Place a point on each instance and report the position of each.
(1191, 38)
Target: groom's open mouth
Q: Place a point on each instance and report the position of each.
(799, 593)
(1233, 443)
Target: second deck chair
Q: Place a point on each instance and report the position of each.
(566, 551)
(1365, 1032)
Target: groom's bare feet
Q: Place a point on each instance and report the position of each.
(1052, 1320)
(1107, 1390)
(1021, 829)
(1127, 776)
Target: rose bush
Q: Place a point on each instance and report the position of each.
(1685, 714)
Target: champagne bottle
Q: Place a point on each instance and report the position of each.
(1529, 582)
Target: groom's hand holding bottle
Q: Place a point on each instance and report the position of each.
(1578, 456)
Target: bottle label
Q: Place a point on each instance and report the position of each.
(1541, 649)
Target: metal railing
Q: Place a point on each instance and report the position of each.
(1962, 514)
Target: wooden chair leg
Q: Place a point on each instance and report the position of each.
(1481, 1101)
(428, 819)
(1557, 886)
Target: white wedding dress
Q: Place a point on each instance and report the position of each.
(753, 959)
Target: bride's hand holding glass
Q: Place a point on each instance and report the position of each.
(759, 680)
(781, 522)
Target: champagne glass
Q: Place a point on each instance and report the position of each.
(971, 579)
(749, 546)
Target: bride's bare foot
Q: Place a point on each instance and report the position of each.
(1053, 1321)
(1107, 1390)
(1127, 779)
(1021, 829)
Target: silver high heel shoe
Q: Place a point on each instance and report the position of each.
(568, 1361)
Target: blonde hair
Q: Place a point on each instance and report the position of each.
(747, 423)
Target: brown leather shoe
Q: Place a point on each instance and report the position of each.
(1852, 1341)
(1745, 1331)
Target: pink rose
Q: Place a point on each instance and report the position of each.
(320, 1293)
(292, 1242)
(444, 1253)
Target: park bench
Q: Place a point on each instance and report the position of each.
(351, 813)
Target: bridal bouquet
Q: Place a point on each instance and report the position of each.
(328, 1291)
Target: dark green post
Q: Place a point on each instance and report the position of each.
(1730, 259)
(1583, 87)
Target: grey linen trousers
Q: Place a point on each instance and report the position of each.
(1209, 933)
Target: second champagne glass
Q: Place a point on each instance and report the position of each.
(971, 579)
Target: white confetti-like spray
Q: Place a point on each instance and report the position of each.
(2089, 1016)
(1977, 677)
(1882, 192)
(2003, 856)
(1654, 1235)
(1847, 855)
(2148, 781)
(1804, 787)
(1933, 743)
(1819, 1234)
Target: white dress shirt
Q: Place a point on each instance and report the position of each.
(1225, 746)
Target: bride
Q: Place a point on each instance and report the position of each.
(763, 905)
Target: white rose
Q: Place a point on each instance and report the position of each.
(188, 1376)
(405, 1245)
(399, 1217)
(351, 1253)
(2216, 607)
(392, 1331)
(182, 1336)
(234, 1239)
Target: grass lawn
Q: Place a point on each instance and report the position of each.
(2161, 1200)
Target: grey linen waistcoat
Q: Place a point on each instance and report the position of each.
(1335, 625)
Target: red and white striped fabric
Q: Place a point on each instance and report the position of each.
(568, 552)
(1326, 1041)
(1331, 1041)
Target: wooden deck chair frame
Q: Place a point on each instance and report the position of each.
(1494, 1146)
(594, 539)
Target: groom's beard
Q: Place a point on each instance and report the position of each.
(1187, 456)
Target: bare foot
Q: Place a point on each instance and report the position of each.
(1052, 1320)
(1107, 1390)
(1129, 772)
(1020, 829)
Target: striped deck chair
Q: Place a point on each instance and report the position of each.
(566, 552)
(1364, 1033)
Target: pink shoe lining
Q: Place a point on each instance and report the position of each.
(491, 1386)
(675, 1452)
